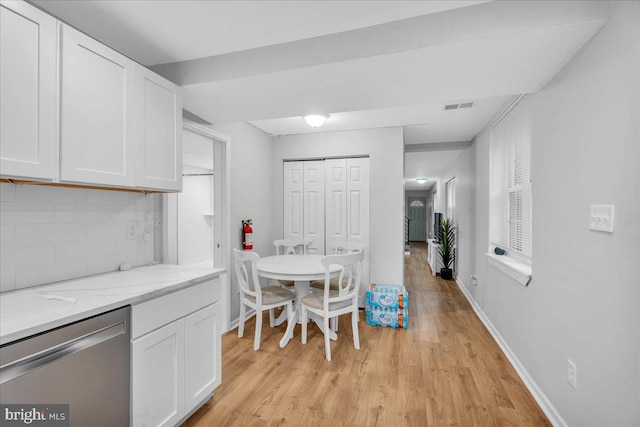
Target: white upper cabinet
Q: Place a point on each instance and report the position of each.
(28, 105)
(159, 132)
(97, 142)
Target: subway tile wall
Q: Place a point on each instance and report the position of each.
(48, 234)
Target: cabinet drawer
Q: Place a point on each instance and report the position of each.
(151, 315)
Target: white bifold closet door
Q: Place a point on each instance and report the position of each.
(347, 205)
(293, 200)
(304, 203)
(327, 201)
(313, 198)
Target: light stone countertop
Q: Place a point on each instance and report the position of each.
(30, 311)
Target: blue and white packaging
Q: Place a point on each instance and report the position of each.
(394, 297)
(387, 305)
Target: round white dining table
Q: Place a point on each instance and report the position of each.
(301, 269)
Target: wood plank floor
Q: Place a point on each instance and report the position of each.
(444, 370)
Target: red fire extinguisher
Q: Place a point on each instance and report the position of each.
(247, 235)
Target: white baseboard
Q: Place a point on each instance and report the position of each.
(235, 322)
(543, 401)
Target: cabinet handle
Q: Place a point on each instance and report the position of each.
(50, 355)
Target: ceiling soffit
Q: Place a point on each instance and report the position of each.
(466, 23)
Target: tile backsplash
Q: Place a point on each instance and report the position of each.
(48, 234)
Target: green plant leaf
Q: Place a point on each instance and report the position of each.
(447, 238)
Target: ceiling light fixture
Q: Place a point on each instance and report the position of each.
(421, 180)
(315, 120)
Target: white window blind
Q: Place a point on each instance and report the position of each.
(450, 188)
(510, 217)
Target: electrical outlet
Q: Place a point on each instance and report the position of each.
(132, 230)
(572, 372)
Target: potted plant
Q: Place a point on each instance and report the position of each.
(447, 249)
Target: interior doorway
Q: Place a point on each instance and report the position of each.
(195, 222)
(195, 207)
(417, 211)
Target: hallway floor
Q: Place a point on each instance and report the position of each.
(446, 369)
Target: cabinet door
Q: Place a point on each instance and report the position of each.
(314, 205)
(336, 201)
(157, 369)
(159, 132)
(28, 105)
(293, 200)
(202, 354)
(97, 115)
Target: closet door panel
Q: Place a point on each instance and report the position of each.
(358, 210)
(336, 201)
(293, 200)
(314, 205)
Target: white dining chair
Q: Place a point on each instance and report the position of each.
(337, 248)
(331, 303)
(287, 247)
(291, 246)
(256, 297)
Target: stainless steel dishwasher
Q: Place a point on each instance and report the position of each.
(85, 365)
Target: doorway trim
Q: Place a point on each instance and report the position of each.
(222, 205)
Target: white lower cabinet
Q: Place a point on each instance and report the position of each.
(175, 354)
(158, 376)
(202, 346)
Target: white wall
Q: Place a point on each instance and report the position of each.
(463, 170)
(582, 302)
(50, 234)
(386, 218)
(250, 195)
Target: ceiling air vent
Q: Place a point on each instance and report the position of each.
(458, 106)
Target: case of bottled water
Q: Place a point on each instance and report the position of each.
(387, 305)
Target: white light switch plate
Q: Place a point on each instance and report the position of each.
(601, 218)
(132, 230)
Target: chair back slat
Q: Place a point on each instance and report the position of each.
(291, 246)
(247, 278)
(342, 247)
(348, 280)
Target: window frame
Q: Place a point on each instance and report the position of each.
(519, 258)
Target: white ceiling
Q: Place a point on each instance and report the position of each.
(427, 164)
(368, 64)
(161, 31)
(422, 123)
